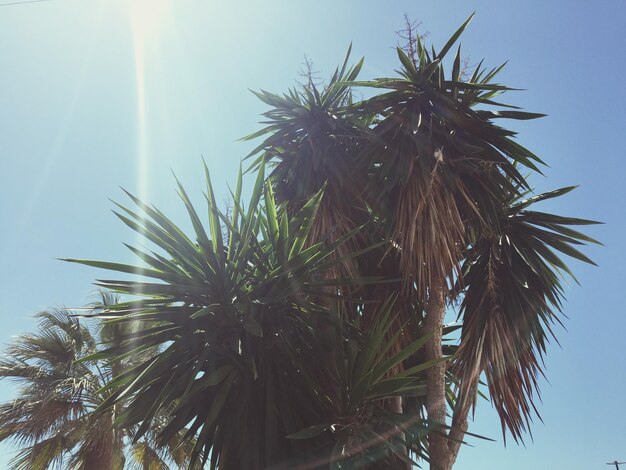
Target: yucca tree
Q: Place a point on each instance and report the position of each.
(312, 335)
(260, 362)
(60, 384)
(443, 185)
(313, 142)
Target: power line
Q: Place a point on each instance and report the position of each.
(21, 3)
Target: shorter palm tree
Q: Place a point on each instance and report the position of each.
(61, 382)
(257, 361)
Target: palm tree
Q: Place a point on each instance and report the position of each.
(60, 380)
(443, 185)
(259, 362)
(469, 233)
(313, 334)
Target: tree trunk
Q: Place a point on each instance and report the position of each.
(436, 378)
(459, 425)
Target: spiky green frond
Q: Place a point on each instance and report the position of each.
(312, 140)
(437, 173)
(280, 343)
(248, 344)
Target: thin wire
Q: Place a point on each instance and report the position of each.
(20, 3)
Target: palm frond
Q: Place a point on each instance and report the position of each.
(233, 318)
(512, 302)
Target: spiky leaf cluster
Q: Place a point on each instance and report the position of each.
(296, 339)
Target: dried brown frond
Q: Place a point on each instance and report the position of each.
(428, 229)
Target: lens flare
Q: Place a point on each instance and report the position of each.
(146, 17)
(146, 22)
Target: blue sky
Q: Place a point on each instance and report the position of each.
(98, 94)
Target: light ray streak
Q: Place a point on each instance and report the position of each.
(146, 16)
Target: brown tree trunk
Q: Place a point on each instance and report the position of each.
(436, 377)
(460, 425)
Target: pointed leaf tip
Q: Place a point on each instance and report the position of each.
(444, 50)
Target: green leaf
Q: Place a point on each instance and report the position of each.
(380, 370)
(214, 219)
(311, 431)
(444, 50)
(406, 62)
(253, 327)
(216, 377)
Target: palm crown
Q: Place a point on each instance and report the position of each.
(61, 384)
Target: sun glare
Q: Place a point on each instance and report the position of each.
(146, 19)
(147, 16)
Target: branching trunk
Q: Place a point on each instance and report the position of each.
(436, 377)
(443, 449)
(459, 426)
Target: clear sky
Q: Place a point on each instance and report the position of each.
(97, 94)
